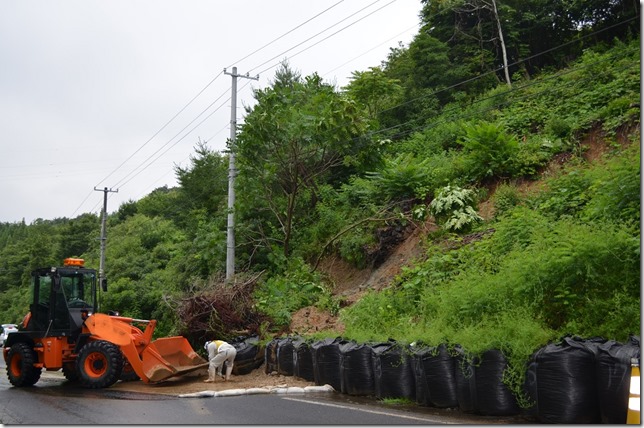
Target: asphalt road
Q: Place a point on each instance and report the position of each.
(54, 401)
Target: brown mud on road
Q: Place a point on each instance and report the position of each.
(194, 382)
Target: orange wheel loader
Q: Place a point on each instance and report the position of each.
(64, 331)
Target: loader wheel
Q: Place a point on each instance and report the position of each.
(99, 364)
(20, 365)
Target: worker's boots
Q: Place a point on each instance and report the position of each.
(211, 376)
(229, 371)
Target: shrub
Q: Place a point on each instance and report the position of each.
(403, 177)
(505, 197)
(489, 150)
(283, 294)
(453, 207)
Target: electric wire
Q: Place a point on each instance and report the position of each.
(205, 87)
(162, 128)
(370, 50)
(150, 139)
(141, 168)
(329, 36)
(314, 36)
(285, 34)
(165, 173)
(123, 183)
(509, 65)
(509, 91)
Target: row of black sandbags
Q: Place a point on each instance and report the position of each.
(572, 381)
(429, 376)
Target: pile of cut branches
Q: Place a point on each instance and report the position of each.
(221, 311)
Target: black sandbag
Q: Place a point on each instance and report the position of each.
(250, 355)
(493, 398)
(285, 356)
(270, 356)
(303, 360)
(465, 376)
(566, 382)
(356, 369)
(420, 380)
(437, 365)
(530, 389)
(393, 371)
(326, 363)
(613, 365)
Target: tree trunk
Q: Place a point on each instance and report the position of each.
(505, 55)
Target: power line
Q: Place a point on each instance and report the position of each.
(123, 183)
(188, 104)
(333, 34)
(150, 139)
(372, 49)
(285, 34)
(161, 129)
(314, 36)
(509, 65)
(509, 91)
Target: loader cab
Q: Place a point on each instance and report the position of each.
(62, 297)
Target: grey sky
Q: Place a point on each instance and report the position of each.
(85, 84)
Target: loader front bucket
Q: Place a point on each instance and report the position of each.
(168, 357)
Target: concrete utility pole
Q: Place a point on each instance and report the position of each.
(101, 272)
(230, 235)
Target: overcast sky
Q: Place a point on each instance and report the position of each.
(87, 86)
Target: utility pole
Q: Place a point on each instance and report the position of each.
(101, 267)
(232, 172)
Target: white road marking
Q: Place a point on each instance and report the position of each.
(397, 415)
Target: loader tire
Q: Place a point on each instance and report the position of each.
(99, 364)
(20, 365)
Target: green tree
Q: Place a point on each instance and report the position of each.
(299, 134)
(78, 235)
(374, 90)
(142, 259)
(204, 184)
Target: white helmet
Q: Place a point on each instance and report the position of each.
(206, 345)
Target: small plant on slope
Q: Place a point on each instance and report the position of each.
(453, 207)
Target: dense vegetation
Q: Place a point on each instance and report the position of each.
(429, 135)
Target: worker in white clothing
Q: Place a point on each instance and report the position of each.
(218, 353)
